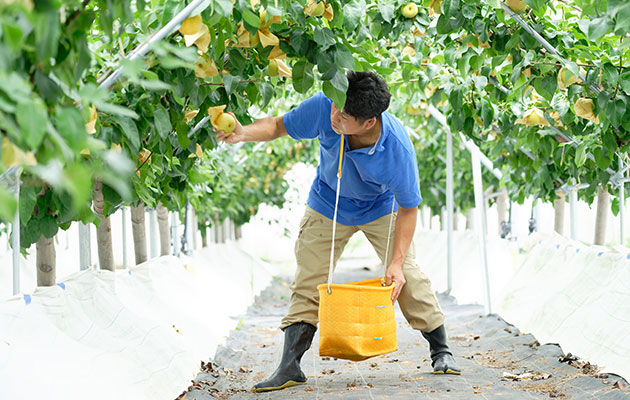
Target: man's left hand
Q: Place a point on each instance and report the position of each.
(395, 273)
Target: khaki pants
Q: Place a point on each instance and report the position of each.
(312, 251)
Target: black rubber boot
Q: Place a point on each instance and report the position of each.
(443, 361)
(297, 339)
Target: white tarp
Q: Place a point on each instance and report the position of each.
(137, 333)
(575, 295)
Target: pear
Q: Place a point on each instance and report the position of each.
(314, 8)
(226, 123)
(409, 10)
(584, 109)
(518, 6)
(533, 117)
(220, 120)
(191, 25)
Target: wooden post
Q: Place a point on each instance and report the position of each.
(139, 232)
(104, 231)
(603, 205)
(46, 262)
(558, 206)
(165, 235)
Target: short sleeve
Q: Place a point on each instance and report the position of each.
(304, 121)
(406, 186)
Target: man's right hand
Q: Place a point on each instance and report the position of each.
(236, 136)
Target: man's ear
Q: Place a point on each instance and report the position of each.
(370, 122)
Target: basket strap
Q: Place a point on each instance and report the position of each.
(334, 228)
(332, 245)
(389, 236)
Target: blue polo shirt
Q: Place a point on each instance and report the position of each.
(371, 176)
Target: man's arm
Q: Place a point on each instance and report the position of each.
(263, 130)
(403, 235)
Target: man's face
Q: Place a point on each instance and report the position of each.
(343, 123)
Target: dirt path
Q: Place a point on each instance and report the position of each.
(498, 362)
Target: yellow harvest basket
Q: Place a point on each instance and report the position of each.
(356, 320)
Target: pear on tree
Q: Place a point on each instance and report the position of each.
(409, 10)
(221, 120)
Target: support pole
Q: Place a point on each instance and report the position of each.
(481, 224)
(174, 222)
(15, 230)
(124, 238)
(622, 206)
(449, 211)
(85, 253)
(572, 205)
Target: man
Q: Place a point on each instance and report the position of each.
(379, 165)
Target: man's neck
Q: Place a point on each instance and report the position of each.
(366, 139)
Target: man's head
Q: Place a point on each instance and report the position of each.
(366, 99)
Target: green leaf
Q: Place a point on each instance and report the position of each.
(343, 57)
(47, 32)
(130, 131)
(449, 7)
(266, 90)
(353, 12)
(303, 76)
(32, 119)
(469, 11)
(224, 7)
(598, 27)
(162, 122)
(47, 87)
(70, 125)
(231, 82)
(250, 18)
(13, 35)
(602, 157)
(8, 205)
(387, 10)
(340, 81)
(115, 110)
(28, 199)
(182, 134)
(580, 154)
(324, 37)
(336, 95)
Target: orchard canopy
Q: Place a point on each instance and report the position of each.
(541, 87)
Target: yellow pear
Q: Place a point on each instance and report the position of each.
(518, 6)
(409, 10)
(220, 120)
(226, 123)
(191, 25)
(205, 67)
(563, 82)
(314, 8)
(533, 117)
(584, 109)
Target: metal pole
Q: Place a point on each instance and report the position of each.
(15, 230)
(622, 206)
(144, 48)
(174, 218)
(479, 205)
(449, 211)
(153, 236)
(572, 204)
(85, 256)
(124, 238)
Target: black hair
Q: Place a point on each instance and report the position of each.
(367, 96)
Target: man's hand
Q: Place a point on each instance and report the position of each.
(395, 273)
(237, 135)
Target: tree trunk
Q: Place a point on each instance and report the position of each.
(165, 234)
(204, 239)
(470, 219)
(558, 206)
(502, 209)
(139, 232)
(455, 215)
(430, 219)
(194, 227)
(238, 232)
(46, 262)
(104, 231)
(603, 205)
